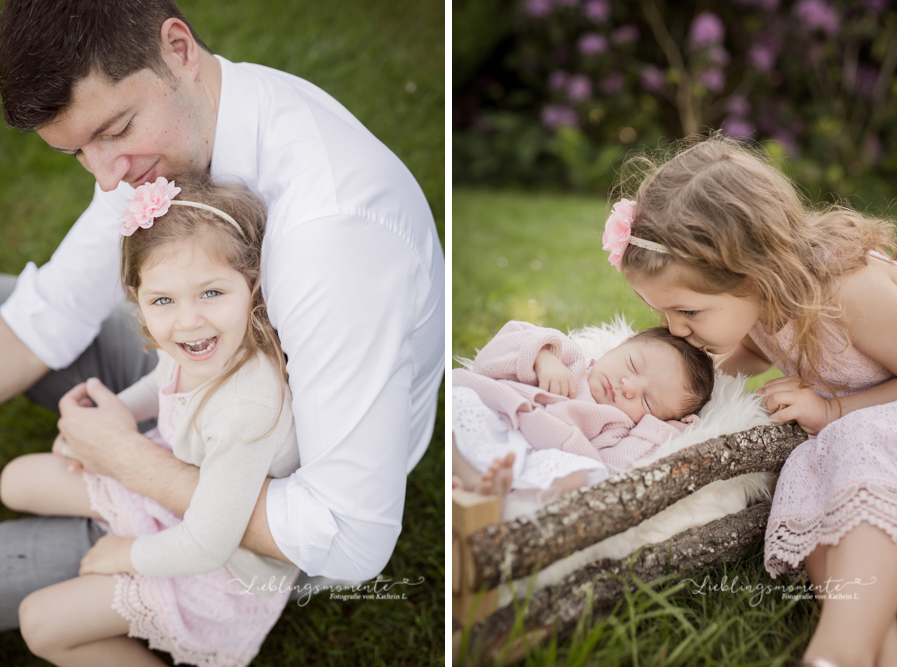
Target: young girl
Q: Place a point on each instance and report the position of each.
(720, 242)
(532, 399)
(190, 258)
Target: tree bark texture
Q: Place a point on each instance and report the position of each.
(561, 606)
(588, 516)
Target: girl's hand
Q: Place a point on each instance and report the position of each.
(787, 401)
(554, 377)
(109, 555)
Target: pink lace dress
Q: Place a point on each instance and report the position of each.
(206, 619)
(845, 475)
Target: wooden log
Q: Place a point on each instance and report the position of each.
(561, 606)
(585, 517)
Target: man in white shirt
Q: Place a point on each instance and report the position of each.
(352, 273)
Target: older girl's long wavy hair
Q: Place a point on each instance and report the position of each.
(218, 237)
(749, 231)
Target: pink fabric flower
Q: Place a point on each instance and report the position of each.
(151, 201)
(617, 231)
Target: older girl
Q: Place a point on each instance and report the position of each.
(719, 241)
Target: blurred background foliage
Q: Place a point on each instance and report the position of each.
(555, 93)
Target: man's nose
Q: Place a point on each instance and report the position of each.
(107, 167)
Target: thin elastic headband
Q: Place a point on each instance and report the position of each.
(219, 213)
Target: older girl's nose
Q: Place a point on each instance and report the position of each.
(678, 325)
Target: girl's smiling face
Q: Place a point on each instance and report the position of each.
(196, 308)
(713, 322)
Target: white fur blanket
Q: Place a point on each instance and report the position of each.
(731, 409)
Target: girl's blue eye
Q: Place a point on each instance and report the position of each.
(212, 292)
(689, 313)
(162, 301)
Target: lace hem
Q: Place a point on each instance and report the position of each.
(137, 601)
(791, 538)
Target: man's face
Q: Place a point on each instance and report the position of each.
(641, 378)
(135, 130)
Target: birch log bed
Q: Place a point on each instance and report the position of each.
(700, 500)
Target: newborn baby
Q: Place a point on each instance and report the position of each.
(535, 413)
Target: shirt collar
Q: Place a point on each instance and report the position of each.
(235, 153)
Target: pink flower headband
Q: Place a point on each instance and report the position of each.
(152, 200)
(618, 234)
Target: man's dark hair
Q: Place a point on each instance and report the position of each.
(47, 46)
(698, 367)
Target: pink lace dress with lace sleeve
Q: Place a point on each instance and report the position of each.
(846, 474)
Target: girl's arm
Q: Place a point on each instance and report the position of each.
(869, 297)
(744, 358)
(231, 477)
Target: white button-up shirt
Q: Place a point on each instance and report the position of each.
(354, 279)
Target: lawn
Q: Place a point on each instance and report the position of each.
(385, 62)
(538, 257)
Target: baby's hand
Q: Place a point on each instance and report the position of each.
(787, 401)
(553, 376)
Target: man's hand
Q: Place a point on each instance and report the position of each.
(95, 435)
(553, 376)
(787, 401)
(109, 555)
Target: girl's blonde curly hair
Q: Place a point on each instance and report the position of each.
(748, 231)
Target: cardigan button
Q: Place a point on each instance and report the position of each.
(181, 400)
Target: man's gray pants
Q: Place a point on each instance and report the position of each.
(40, 551)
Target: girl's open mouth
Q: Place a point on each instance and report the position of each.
(200, 349)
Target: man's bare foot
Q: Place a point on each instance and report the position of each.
(497, 480)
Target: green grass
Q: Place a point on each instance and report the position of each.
(385, 62)
(538, 257)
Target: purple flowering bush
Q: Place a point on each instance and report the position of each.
(582, 82)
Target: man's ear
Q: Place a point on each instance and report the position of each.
(179, 50)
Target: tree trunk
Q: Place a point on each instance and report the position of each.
(588, 516)
(596, 588)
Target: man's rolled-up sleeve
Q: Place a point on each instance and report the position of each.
(57, 310)
(344, 293)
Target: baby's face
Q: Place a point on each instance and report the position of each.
(641, 378)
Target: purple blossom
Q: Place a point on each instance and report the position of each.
(817, 16)
(866, 77)
(738, 106)
(706, 29)
(761, 4)
(873, 149)
(713, 79)
(611, 84)
(555, 116)
(579, 88)
(557, 80)
(591, 44)
(597, 11)
(537, 8)
(875, 6)
(625, 34)
(719, 56)
(738, 127)
(762, 56)
(652, 79)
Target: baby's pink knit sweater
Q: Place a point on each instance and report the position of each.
(503, 376)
